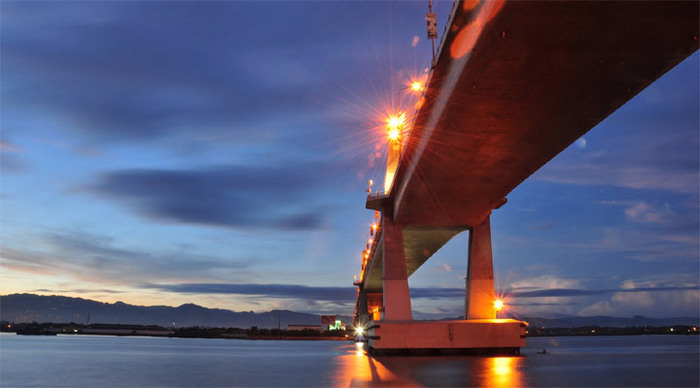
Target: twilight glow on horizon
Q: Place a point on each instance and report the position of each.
(218, 153)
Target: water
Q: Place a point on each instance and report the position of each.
(96, 361)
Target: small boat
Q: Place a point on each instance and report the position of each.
(544, 351)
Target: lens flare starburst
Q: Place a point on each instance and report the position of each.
(395, 126)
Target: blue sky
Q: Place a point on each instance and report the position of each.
(217, 153)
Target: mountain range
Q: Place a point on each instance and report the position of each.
(61, 309)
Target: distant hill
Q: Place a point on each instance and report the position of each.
(61, 309)
(29, 307)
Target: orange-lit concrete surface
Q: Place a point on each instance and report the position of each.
(502, 335)
(514, 84)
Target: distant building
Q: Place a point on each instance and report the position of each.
(337, 325)
(318, 328)
(327, 319)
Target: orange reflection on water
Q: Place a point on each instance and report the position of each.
(504, 372)
(358, 369)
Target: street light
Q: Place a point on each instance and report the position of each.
(414, 86)
(394, 126)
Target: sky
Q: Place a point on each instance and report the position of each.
(217, 153)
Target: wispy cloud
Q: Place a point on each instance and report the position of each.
(285, 291)
(642, 211)
(564, 292)
(228, 196)
(10, 158)
(633, 297)
(97, 259)
(635, 177)
(347, 294)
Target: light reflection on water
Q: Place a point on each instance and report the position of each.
(83, 361)
(362, 370)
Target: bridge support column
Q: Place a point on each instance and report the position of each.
(480, 295)
(362, 317)
(397, 298)
(479, 333)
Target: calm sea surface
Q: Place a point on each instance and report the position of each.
(96, 361)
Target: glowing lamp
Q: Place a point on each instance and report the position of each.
(394, 134)
(394, 126)
(498, 304)
(416, 86)
(394, 121)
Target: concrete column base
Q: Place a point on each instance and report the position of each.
(477, 336)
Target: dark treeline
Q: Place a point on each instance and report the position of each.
(602, 331)
(49, 328)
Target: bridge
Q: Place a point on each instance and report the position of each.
(513, 84)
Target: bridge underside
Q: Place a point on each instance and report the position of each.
(419, 245)
(515, 83)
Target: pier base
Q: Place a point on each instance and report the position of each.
(473, 336)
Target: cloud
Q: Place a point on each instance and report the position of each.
(348, 294)
(77, 291)
(565, 292)
(6, 146)
(98, 259)
(544, 282)
(228, 196)
(292, 291)
(660, 301)
(666, 242)
(538, 304)
(550, 295)
(12, 163)
(10, 160)
(135, 72)
(621, 175)
(443, 268)
(641, 211)
(284, 291)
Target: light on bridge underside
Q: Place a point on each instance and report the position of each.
(395, 125)
(498, 304)
(394, 134)
(417, 86)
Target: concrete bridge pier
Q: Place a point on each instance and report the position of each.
(480, 296)
(397, 297)
(395, 331)
(362, 312)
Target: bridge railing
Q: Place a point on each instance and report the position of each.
(366, 263)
